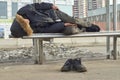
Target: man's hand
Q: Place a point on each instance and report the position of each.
(27, 20)
(69, 24)
(54, 7)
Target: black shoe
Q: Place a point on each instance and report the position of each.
(77, 66)
(67, 66)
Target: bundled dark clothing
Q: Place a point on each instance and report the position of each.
(43, 19)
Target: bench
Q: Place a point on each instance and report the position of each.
(38, 39)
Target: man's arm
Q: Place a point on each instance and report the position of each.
(24, 10)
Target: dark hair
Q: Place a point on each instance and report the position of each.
(71, 30)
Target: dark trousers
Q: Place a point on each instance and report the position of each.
(51, 28)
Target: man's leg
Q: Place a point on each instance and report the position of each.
(65, 17)
(82, 24)
(54, 28)
(68, 19)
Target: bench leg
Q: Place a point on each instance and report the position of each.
(115, 47)
(35, 51)
(108, 47)
(38, 51)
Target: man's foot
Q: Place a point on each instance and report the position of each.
(24, 24)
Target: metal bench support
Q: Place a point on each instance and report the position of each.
(39, 38)
(38, 51)
(114, 47)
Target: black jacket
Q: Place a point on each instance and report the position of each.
(39, 14)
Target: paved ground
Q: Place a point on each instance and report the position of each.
(97, 70)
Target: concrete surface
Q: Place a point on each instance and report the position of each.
(97, 70)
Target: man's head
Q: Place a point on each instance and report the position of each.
(71, 30)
